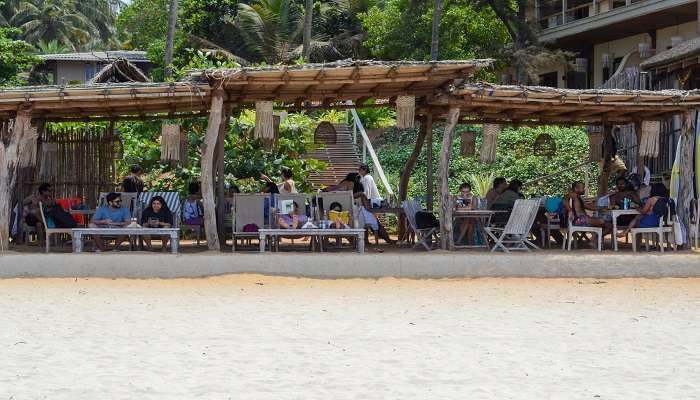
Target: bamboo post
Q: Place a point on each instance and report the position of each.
(686, 170)
(605, 165)
(408, 169)
(430, 186)
(443, 178)
(209, 147)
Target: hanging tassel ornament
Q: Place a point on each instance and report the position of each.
(488, 145)
(170, 142)
(467, 147)
(595, 145)
(649, 143)
(28, 145)
(405, 111)
(264, 123)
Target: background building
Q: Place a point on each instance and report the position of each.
(76, 68)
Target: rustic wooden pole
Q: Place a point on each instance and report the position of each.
(605, 164)
(443, 178)
(221, 176)
(209, 147)
(430, 186)
(408, 169)
(686, 170)
(639, 160)
(9, 161)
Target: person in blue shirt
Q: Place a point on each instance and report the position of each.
(112, 215)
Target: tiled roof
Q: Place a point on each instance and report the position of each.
(132, 56)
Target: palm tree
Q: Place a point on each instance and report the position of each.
(56, 20)
(271, 29)
(102, 14)
(51, 47)
(8, 8)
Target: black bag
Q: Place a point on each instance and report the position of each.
(425, 220)
(61, 218)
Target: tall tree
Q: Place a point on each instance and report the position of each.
(57, 20)
(308, 20)
(170, 39)
(435, 36)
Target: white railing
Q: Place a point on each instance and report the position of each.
(367, 148)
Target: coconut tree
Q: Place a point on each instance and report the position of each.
(271, 29)
(56, 20)
(51, 47)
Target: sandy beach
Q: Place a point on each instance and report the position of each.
(260, 337)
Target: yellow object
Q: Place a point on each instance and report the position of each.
(344, 216)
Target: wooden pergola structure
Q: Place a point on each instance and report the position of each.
(439, 90)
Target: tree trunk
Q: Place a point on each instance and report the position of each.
(209, 148)
(435, 36)
(308, 20)
(9, 161)
(220, 175)
(444, 175)
(430, 186)
(408, 169)
(686, 172)
(170, 38)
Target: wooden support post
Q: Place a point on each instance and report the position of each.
(430, 186)
(639, 160)
(686, 169)
(209, 148)
(9, 167)
(444, 179)
(220, 175)
(605, 164)
(408, 169)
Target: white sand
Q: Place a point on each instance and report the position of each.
(230, 337)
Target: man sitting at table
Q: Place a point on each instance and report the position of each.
(617, 199)
(576, 209)
(112, 215)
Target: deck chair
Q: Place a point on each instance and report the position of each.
(516, 231)
(247, 209)
(299, 198)
(325, 199)
(52, 231)
(664, 229)
(424, 236)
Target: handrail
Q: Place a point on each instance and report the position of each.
(368, 145)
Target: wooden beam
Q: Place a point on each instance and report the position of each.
(208, 149)
(446, 242)
(430, 185)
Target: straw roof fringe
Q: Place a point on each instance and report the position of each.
(685, 50)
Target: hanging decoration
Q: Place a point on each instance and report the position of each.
(264, 123)
(405, 111)
(49, 161)
(595, 144)
(28, 146)
(544, 146)
(468, 143)
(488, 145)
(649, 143)
(170, 142)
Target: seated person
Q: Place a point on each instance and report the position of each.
(193, 211)
(295, 220)
(499, 186)
(508, 197)
(576, 209)
(32, 214)
(654, 208)
(157, 215)
(339, 219)
(371, 220)
(271, 202)
(112, 215)
(465, 200)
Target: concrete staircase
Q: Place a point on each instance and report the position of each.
(341, 158)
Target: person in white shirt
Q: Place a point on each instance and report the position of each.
(367, 182)
(287, 185)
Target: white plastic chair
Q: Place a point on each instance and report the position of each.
(52, 231)
(665, 228)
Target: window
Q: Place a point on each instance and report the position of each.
(89, 72)
(551, 79)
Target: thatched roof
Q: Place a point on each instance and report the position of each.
(339, 81)
(119, 71)
(98, 56)
(545, 105)
(680, 56)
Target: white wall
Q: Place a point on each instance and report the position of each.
(72, 71)
(663, 36)
(561, 72)
(618, 48)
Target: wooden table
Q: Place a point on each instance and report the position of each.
(482, 218)
(615, 215)
(78, 233)
(359, 234)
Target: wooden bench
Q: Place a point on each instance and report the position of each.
(78, 234)
(359, 235)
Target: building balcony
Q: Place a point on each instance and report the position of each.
(575, 24)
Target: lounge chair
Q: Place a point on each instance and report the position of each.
(516, 231)
(52, 231)
(247, 209)
(172, 199)
(424, 236)
(664, 229)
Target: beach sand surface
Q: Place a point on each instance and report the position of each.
(260, 337)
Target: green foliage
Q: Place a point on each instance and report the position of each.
(514, 159)
(15, 58)
(142, 22)
(401, 29)
(481, 183)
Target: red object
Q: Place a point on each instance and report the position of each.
(68, 204)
